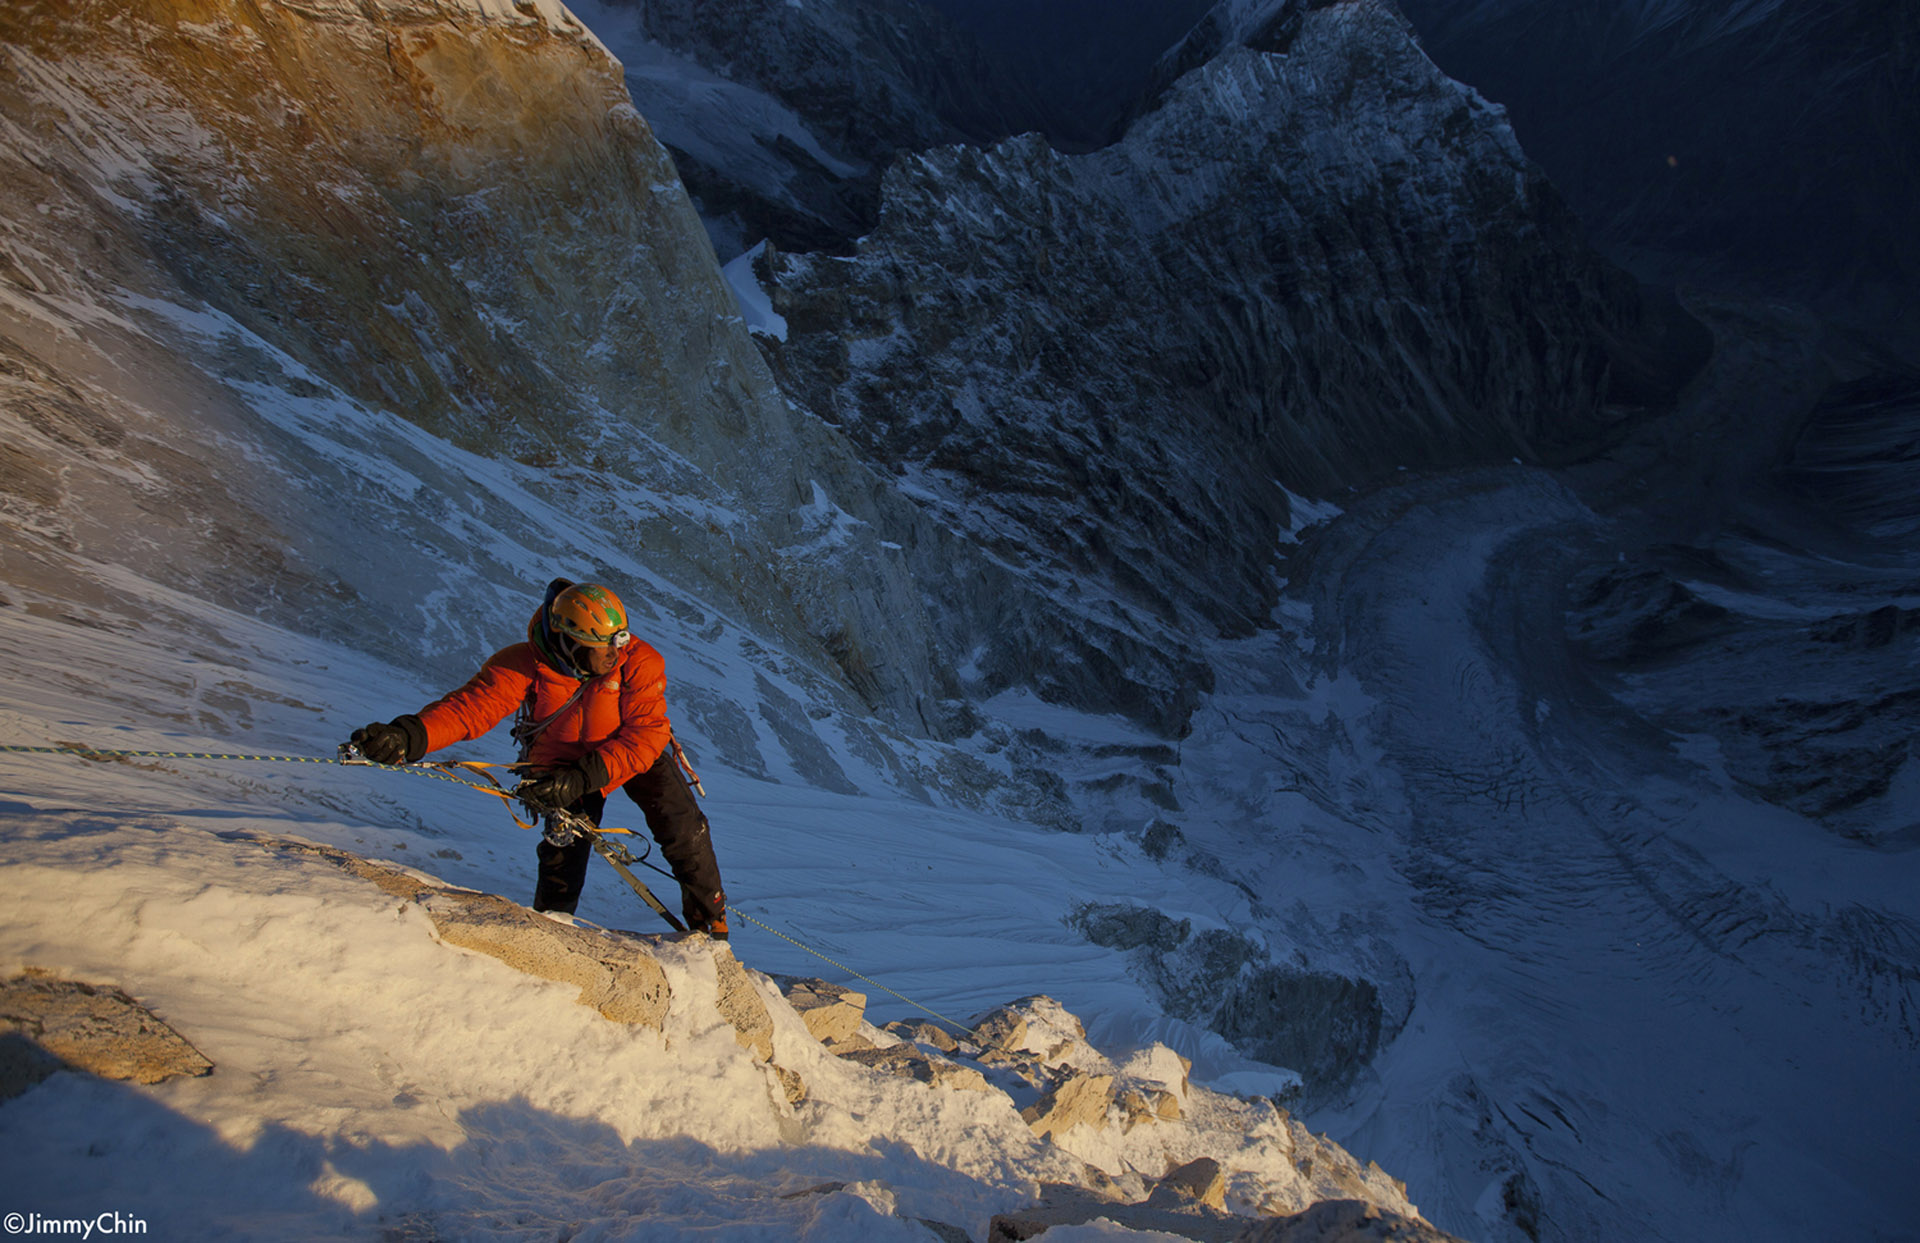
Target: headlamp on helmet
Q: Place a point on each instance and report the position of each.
(577, 617)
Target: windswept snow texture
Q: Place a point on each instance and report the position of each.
(373, 1084)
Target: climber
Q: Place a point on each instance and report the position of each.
(592, 716)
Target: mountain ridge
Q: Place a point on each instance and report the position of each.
(1336, 263)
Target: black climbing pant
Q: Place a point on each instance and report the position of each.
(677, 824)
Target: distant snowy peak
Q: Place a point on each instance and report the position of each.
(1258, 25)
(782, 115)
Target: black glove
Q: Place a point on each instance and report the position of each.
(401, 741)
(553, 788)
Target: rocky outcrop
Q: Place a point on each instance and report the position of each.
(1345, 1221)
(616, 979)
(1322, 1025)
(1142, 1114)
(719, 1039)
(910, 1063)
(615, 975)
(923, 1033)
(1077, 1100)
(1316, 261)
(1176, 1214)
(832, 1014)
(49, 1024)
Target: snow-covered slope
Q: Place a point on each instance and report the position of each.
(373, 1079)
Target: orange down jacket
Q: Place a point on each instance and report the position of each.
(620, 719)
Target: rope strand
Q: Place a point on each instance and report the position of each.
(962, 1028)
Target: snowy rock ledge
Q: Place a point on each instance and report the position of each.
(396, 1057)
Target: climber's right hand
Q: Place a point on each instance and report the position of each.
(383, 742)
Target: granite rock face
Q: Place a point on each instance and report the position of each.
(1049, 389)
(1317, 260)
(251, 252)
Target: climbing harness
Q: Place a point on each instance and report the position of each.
(452, 770)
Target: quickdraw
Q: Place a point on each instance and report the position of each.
(680, 758)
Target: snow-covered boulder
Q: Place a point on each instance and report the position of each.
(832, 1013)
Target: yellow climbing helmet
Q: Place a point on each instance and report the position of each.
(590, 614)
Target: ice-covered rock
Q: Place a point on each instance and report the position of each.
(910, 1063)
(832, 1013)
(923, 1033)
(1345, 1221)
(1199, 1181)
(1077, 1100)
